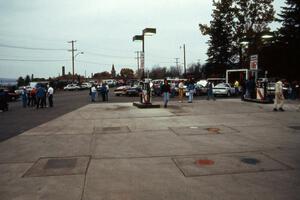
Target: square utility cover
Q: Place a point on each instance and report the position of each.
(58, 166)
(227, 164)
(112, 130)
(202, 130)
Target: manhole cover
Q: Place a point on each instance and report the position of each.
(58, 166)
(295, 127)
(250, 161)
(213, 130)
(111, 128)
(60, 163)
(204, 162)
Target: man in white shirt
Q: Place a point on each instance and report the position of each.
(50, 95)
(279, 98)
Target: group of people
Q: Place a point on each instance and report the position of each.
(37, 97)
(102, 90)
(166, 90)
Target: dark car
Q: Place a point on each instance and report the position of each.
(133, 91)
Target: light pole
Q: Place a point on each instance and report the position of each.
(146, 32)
(74, 62)
(145, 97)
(184, 61)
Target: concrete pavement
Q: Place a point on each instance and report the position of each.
(224, 149)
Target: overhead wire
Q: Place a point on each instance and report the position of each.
(31, 48)
(35, 60)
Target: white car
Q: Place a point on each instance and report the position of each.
(85, 85)
(20, 89)
(70, 87)
(223, 89)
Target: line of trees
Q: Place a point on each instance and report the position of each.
(235, 22)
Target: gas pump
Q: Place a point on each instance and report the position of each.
(261, 89)
(145, 96)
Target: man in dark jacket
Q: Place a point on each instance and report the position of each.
(166, 89)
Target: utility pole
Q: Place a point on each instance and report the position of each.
(138, 59)
(184, 60)
(72, 41)
(177, 65)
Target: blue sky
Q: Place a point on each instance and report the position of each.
(103, 30)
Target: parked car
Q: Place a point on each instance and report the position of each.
(20, 89)
(223, 89)
(70, 87)
(85, 86)
(122, 90)
(133, 91)
(271, 89)
(200, 89)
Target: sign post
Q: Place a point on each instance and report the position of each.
(253, 65)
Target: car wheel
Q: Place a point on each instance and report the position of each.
(228, 94)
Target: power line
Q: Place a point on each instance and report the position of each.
(30, 48)
(35, 60)
(106, 55)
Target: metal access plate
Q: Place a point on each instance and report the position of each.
(58, 166)
(295, 127)
(111, 130)
(227, 164)
(202, 130)
(61, 163)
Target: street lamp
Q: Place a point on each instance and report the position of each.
(146, 32)
(74, 62)
(146, 94)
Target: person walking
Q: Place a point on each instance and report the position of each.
(181, 91)
(50, 96)
(191, 90)
(166, 89)
(210, 94)
(279, 98)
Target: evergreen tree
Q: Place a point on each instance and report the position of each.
(220, 52)
(21, 81)
(289, 33)
(27, 80)
(251, 21)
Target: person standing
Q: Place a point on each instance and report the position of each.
(210, 94)
(107, 91)
(279, 98)
(3, 101)
(33, 97)
(103, 91)
(24, 97)
(93, 93)
(181, 91)
(166, 89)
(191, 90)
(50, 96)
(236, 87)
(40, 94)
